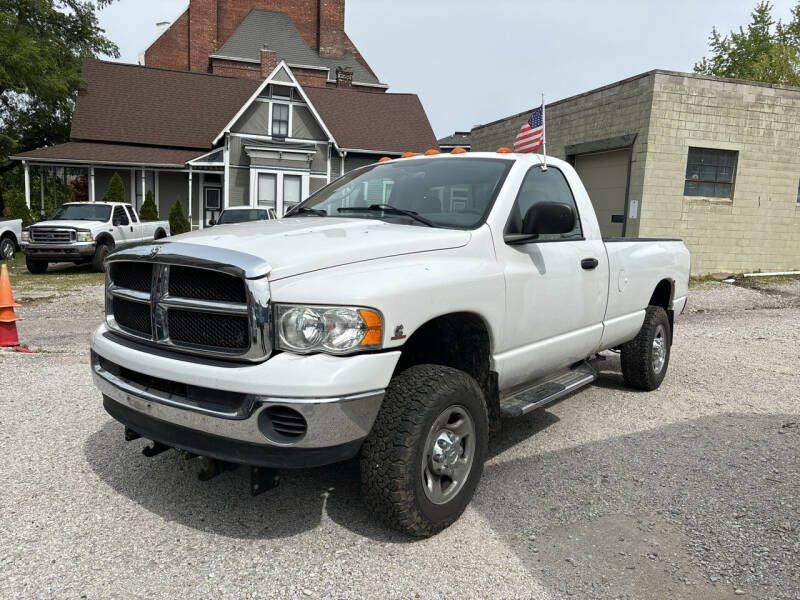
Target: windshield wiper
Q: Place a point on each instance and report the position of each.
(306, 209)
(389, 208)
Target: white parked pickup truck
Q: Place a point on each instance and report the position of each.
(86, 232)
(10, 234)
(396, 315)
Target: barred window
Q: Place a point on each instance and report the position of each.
(710, 173)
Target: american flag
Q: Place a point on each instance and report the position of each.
(531, 135)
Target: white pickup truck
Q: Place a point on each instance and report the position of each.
(10, 234)
(396, 315)
(82, 232)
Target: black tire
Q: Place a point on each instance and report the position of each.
(100, 254)
(392, 455)
(36, 266)
(7, 248)
(640, 357)
(160, 234)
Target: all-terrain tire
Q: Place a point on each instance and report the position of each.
(7, 247)
(35, 266)
(99, 257)
(641, 356)
(392, 455)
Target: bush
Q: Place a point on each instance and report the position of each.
(148, 211)
(17, 209)
(116, 189)
(178, 223)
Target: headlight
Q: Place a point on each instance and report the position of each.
(84, 236)
(332, 329)
(26, 235)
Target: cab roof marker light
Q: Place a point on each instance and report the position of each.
(432, 152)
(384, 159)
(407, 155)
(458, 150)
(504, 150)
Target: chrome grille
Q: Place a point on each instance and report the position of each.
(51, 235)
(197, 310)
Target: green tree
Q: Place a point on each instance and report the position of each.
(178, 223)
(148, 211)
(17, 209)
(116, 189)
(768, 50)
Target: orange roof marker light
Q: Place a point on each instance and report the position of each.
(407, 155)
(504, 150)
(458, 150)
(385, 159)
(432, 152)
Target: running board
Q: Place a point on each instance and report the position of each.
(548, 390)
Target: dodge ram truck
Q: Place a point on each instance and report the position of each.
(83, 232)
(10, 234)
(395, 315)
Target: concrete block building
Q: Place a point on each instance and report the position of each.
(713, 161)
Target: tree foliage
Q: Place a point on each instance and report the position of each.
(148, 211)
(42, 46)
(178, 223)
(116, 189)
(767, 50)
(17, 209)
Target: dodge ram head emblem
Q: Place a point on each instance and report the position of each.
(398, 333)
(154, 252)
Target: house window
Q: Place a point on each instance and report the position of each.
(292, 191)
(280, 120)
(267, 189)
(710, 173)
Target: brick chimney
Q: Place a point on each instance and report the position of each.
(269, 60)
(202, 33)
(331, 28)
(344, 77)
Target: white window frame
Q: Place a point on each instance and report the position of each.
(256, 171)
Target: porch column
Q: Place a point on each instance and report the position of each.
(200, 191)
(342, 155)
(190, 197)
(144, 186)
(91, 184)
(27, 169)
(41, 189)
(133, 184)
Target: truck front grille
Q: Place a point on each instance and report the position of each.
(191, 309)
(50, 235)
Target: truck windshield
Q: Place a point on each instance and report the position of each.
(447, 192)
(81, 212)
(242, 216)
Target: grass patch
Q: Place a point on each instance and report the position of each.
(59, 277)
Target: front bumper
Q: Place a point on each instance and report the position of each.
(223, 410)
(56, 252)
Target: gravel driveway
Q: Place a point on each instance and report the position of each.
(691, 491)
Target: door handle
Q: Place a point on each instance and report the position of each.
(589, 263)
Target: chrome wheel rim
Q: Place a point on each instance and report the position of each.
(448, 456)
(659, 349)
(7, 248)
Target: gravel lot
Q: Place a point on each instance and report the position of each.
(691, 491)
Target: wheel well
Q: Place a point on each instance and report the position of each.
(105, 239)
(662, 296)
(458, 340)
(160, 233)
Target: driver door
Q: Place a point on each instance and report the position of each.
(123, 231)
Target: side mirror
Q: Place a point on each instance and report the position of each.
(548, 217)
(211, 223)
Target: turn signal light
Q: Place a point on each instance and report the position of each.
(373, 322)
(407, 155)
(431, 152)
(504, 150)
(458, 150)
(385, 159)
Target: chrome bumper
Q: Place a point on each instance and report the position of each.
(330, 421)
(56, 251)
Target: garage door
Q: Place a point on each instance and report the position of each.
(605, 175)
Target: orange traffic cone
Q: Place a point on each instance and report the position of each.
(8, 322)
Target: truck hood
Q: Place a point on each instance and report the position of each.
(299, 244)
(68, 224)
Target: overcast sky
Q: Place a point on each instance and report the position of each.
(474, 61)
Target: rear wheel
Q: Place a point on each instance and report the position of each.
(646, 357)
(100, 254)
(36, 266)
(424, 457)
(7, 248)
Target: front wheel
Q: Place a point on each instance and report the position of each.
(423, 459)
(646, 357)
(98, 260)
(7, 248)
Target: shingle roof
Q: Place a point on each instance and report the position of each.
(374, 121)
(118, 154)
(459, 138)
(158, 107)
(276, 31)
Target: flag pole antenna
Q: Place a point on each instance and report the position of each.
(544, 136)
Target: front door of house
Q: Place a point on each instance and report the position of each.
(212, 204)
